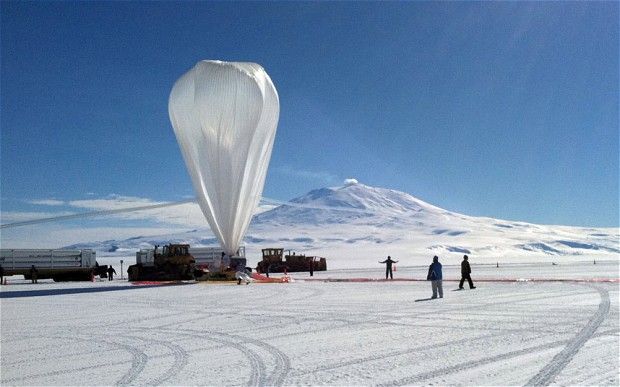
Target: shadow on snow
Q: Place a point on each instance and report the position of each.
(61, 291)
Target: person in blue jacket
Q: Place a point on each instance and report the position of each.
(435, 276)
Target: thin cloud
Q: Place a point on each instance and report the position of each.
(47, 202)
(188, 214)
(185, 215)
(55, 236)
(21, 216)
(113, 202)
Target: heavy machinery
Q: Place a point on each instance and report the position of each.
(178, 262)
(273, 263)
(173, 263)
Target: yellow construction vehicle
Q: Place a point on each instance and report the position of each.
(174, 263)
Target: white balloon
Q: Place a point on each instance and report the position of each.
(225, 116)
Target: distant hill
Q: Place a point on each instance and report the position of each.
(356, 225)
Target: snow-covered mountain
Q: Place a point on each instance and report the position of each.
(355, 225)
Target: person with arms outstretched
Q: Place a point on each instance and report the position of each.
(388, 267)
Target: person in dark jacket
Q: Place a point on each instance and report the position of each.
(34, 273)
(111, 273)
(466, 273)
(388, 267)
(436, 277)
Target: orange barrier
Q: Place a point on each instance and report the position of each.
(262, 278)
(611, 280)
(286, 279)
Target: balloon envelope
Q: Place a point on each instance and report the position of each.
(224, 116)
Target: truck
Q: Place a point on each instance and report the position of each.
(272, 262)
(178, 262)
(173, 263)
(60, 265)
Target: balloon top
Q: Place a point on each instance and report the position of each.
(249, 68)
(224, 116)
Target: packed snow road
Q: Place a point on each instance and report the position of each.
(325, 333)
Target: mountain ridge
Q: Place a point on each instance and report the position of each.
(356, 224)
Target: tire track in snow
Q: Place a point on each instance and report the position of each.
(259, 375)
(406, 351)
(418, 378)
(54, 373)
(138, 361)
(135, 321)
(257, 366)
(282, 362)
(180, 358)
(371, 323)
(561, 360)
(384, 356)
(512, 299)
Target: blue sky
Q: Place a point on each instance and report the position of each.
(500, 109)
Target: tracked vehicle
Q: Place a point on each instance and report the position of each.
(174, 263)
(273, 263)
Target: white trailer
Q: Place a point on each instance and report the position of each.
(61, 265)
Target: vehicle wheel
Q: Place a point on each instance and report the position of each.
(133, 273)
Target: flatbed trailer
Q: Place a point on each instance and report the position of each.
(60, 265)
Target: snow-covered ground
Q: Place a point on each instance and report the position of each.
(319, 333)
